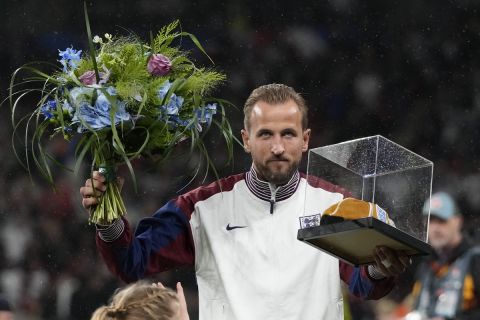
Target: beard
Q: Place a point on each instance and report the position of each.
(439, 242)
(275, 171)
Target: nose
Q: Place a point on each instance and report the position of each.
(277, 147)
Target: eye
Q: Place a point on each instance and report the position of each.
(289, 134)
(264, 134)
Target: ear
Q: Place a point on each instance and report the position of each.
(246, 140)
(306, 139)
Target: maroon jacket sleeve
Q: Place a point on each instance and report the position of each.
(161, 242)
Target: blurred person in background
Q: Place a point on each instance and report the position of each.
(241, 231)
(5, 309)
(145, 301)
(448, 282)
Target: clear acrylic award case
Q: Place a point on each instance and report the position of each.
(376, 170)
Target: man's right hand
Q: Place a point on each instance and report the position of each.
(92, 190)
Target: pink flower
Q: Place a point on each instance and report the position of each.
(159, 65)
(88, 77)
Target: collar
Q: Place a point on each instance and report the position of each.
(268, 191)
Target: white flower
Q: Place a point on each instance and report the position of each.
(108, 36)
(97, 39)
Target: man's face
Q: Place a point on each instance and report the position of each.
(276, 140)
(443, 234)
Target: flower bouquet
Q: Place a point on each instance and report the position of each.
(124, 100)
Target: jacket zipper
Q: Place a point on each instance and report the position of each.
(273, 192)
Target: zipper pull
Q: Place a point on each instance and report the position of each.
(273, 192)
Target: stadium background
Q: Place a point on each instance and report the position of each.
(408, 70)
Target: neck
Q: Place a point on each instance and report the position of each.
(259, 176)
(448, 249)
(263, 189)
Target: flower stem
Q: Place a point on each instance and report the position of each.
(110, 206)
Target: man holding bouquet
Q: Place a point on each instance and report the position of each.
(240, 232)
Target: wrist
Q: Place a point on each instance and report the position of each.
(110, 233)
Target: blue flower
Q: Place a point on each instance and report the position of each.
(67, 107)
(173, 106)
(69, 58)
(48, 108)
(111, 91)
(95, 117)
(162, 92)
(204, 115)
(174, 119)
(102, 104)
(170, 112)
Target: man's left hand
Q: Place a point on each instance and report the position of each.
(390, 262)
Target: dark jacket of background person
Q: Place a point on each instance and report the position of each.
(448, 282)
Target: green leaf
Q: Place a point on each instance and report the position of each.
(197, 43)
(90, 43)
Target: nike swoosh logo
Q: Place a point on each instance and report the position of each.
(234, 227)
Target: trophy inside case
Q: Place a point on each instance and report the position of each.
(376, 170)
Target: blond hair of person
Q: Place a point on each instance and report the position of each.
(143, 301)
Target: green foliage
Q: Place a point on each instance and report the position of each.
(165, 36)
(124, 99)
(202, 82)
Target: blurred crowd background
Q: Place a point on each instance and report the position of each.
(408, 70)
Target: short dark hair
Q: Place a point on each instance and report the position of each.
(272, 94)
